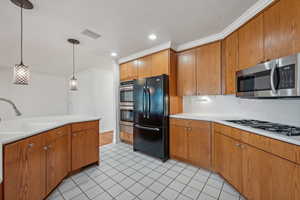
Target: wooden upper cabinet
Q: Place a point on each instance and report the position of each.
(251, 43)
(132, 70)
(199, 144)
(186, 73)
(123, 72)
(25, 169)
(209, 69)
(145, 67)
(160, 63)
(282, 29)
(268, 177)
(230, 63)
(228, 159)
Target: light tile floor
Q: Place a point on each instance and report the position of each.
(127, 175)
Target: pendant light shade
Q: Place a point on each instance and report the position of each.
(73, 81)
(21, 72)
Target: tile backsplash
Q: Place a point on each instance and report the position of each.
(275, 110)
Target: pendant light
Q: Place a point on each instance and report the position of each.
(21, 71)
(73, 80)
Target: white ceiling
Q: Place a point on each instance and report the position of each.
(123, 24)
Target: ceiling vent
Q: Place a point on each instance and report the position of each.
(91, 34)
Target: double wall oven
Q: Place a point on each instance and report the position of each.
(126, 106)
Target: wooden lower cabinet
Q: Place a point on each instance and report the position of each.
(58, 157)
(191, 142)
(25, 169)
(34, 166)
(126, 137)
(228, 159)
(178, 142)
(256, 173)
(85, 148)
(268, 177)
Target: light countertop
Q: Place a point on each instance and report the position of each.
(221, 119)
(14, 130)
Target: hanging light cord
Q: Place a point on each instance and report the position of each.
(21, 34)
(73, 61)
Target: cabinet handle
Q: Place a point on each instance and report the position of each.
(238, 145)
(45, 148)
(30, 145)
(74, 134)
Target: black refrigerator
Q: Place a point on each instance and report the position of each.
(151, 116)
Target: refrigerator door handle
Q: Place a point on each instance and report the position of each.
(144, 92)
(146, 128)
(149, 102)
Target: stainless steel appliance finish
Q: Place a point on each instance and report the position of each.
(269, 126)
(279, 78)
(126, 106)
(126, 93)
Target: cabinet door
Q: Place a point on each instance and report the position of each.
(230, 62)
(268, 177)
(144, 67)
(281, 29)
(132, 70)
(251, 51)
(178, 142)
(186, 73)
(85, 148)
(58, 156)
(209, 69)
(228, 159)
(160, 63)
(199, 144)
(123, 72)
(25, 169)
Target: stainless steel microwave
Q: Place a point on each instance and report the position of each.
(278, 78)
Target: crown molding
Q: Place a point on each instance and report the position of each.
(143, 53)
(246, 16)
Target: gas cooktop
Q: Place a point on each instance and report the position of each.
(269, 126)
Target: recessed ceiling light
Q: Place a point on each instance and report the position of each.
(152, 37)
(114, 54)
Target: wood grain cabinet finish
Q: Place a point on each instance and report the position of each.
(228, 159)
(268, 177)
(58, 156)
(25, 169)
(229, 63)
(160, 63)
(209, 69)
(123, 72)
(145, 67)
(282, 29)
(85, 145)
(187, 74)
(251, 43)
(190, 141)
(34, 166)
(260, 168)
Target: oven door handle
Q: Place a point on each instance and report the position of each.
(146, 128)
(274, 91)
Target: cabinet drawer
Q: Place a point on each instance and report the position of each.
(57, 133)
(199, 124)
(85, 125)
(180, 122)
(228, 131)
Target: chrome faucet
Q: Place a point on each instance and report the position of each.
(18, 113)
